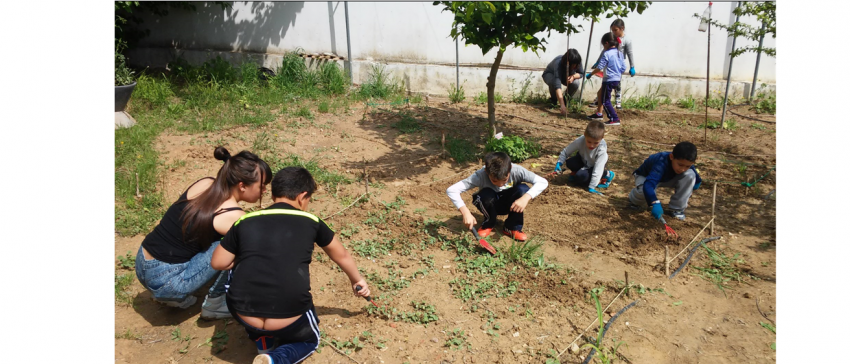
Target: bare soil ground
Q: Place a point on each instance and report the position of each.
(592, 240)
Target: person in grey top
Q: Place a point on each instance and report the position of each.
(587, 167)
(563, 70)
(618, 28)
(500, 191)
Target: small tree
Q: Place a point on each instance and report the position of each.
(516, 23)
(766, 14)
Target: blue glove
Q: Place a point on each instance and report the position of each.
(588, 76)
(558, 168)
(632, 71)
(696, 186)
(657, 211)
(591, 190)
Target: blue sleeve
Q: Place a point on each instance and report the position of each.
(652, 180)
(603, 62)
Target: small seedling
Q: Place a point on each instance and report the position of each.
(127, 261)
(605, 354)
(456, 94)
(456, 340)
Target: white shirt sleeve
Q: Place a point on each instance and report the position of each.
(456, 189)
(539, 184)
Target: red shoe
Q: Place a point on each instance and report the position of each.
(515, 234)
(483, 233)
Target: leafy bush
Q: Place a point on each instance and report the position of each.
(515, 146)
(123, 74)
(481, 98)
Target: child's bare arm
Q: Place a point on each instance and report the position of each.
(337, 252)
(222, 259)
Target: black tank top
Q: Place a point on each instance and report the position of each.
(165, 243)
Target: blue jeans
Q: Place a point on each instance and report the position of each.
(174, 282)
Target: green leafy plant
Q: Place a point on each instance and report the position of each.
(456, 94)
(523, 93)
(688, 102)
(123, 74)
(721, 269)
(528, 253)
(519, 24)
(456, 340)
(765, 12)
(515, 146)
(481, 98)
(605, 354)
(127, 261)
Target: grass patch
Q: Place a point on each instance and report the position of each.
(327, 179)
(379, 84)
(408, 124)
(650, 101)
(721, 269)
(122, 282)
(481, 98)
(461, 150)
(423, 313)
(688, 102)
(457, 94)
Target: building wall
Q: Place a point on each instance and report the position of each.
(412, 39)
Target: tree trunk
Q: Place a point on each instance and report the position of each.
(491, 88)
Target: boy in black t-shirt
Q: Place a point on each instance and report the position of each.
(269, 254)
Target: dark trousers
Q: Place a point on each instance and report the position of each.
(492, 204)
(582, 176)
(290, 344)
(607, 87)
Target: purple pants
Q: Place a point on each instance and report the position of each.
(607, 87)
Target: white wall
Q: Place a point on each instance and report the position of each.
(665, 37)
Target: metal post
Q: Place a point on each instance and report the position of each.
(758, 59)
(348, 42)
(457, 65)
(707, 79)
(586, 59)
(729, 77)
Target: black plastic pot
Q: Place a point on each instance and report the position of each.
(122, 96)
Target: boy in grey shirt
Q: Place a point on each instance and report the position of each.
(500, 191)
(587, 167)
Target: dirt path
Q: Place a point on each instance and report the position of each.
(592, 241)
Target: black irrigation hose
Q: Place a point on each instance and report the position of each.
(604, 329)
(694, 250)
(748, 117)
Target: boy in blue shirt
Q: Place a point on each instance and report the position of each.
(614, 65)
(667, 169)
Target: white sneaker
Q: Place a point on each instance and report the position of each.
(262, 359)
(214, 308)
(619, 105)
(594, 104)
(186, 303)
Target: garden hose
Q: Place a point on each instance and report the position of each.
(694, 250)
(604, 329)
(748, 117)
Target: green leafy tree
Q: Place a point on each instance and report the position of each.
(516, 23)
(766, 14)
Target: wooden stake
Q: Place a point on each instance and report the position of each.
(137, 185)
(713, 201)
(666, 261)
(627, 283)
(365, 175)
(443, 143)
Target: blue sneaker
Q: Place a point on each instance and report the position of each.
(607, 179)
